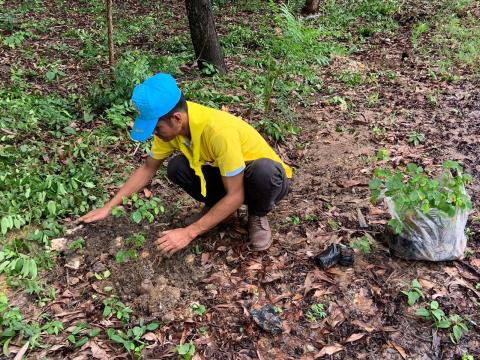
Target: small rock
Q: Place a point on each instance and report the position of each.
(190, 259)
(168, 317)
(267, 319)
(73, 280)
(118, 241)
(99, 267)
(75, 229)
(74, 262)
(59, 244)
(144, 254)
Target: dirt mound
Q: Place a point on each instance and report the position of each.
(150, 283)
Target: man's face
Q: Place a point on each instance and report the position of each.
(168, 129)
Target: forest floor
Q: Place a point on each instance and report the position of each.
(369, 99)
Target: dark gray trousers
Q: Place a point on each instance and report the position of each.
(265, 183)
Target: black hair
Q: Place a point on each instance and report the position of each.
(180, 107)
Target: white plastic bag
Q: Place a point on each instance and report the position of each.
(433, 236)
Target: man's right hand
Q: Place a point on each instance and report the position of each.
(95, 215)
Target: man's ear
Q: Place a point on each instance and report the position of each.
(177, 117)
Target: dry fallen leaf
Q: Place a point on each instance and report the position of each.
(329, 350)
(475, 262)
(97, 351)
(363, 325)
(355, 337)
(426, 284)
(363, 303)
(400, 350)
(22, 351)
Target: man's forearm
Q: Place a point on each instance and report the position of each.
(135, 182)
(220, 211)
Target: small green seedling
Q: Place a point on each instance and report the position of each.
(416, 138)
(105, 275)
(186, 351)
(77, 244)
(458, 328)
(316, 312)
(114, 307)
(132, 339)
(53, 327)
(467, 357)
(362, 243)
(125, 255)
(198, 309)
(415, 293)
(136, 240)
(434, 313)
(81, 333)
(334, 224)
(382, 154)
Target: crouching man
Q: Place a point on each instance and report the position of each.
(223, 162)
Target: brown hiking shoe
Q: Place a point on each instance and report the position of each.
(259, 233)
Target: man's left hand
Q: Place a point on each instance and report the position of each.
(174, 240)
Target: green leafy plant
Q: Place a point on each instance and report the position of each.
(13, 263)
(382, 154)
(82, 333)
(186, 350)
(114, 307)
(362, 243)
(416, 138)
(442, 321)
(417, 31)
(136, 240)
(16, 39)
(145, 209)
(316, 312)
(412, 190)
(132, 338)
(198, 309)
(459, 328)
(53, 327)
(77, 244)
(124, 255)
(414, 293)
(106, 274)
(13, 324)
(435, 314)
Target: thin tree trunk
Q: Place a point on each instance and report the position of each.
(204, 36)
(111, 49)
(311, 7)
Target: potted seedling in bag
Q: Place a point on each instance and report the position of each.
(428, 215)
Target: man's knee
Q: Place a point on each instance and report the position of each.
(176, 166)
(266, 171)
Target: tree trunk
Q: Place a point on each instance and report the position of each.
(204, 36)
(311, 7)
(111, 50)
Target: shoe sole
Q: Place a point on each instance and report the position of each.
(263, 248)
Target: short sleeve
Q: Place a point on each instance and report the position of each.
(227, 152)
(161, 149)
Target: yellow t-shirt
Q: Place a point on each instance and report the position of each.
(219, 139)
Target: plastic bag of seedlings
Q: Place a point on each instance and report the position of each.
(429, 215)
(434, 236)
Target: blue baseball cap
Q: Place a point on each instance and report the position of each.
(153, 98)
